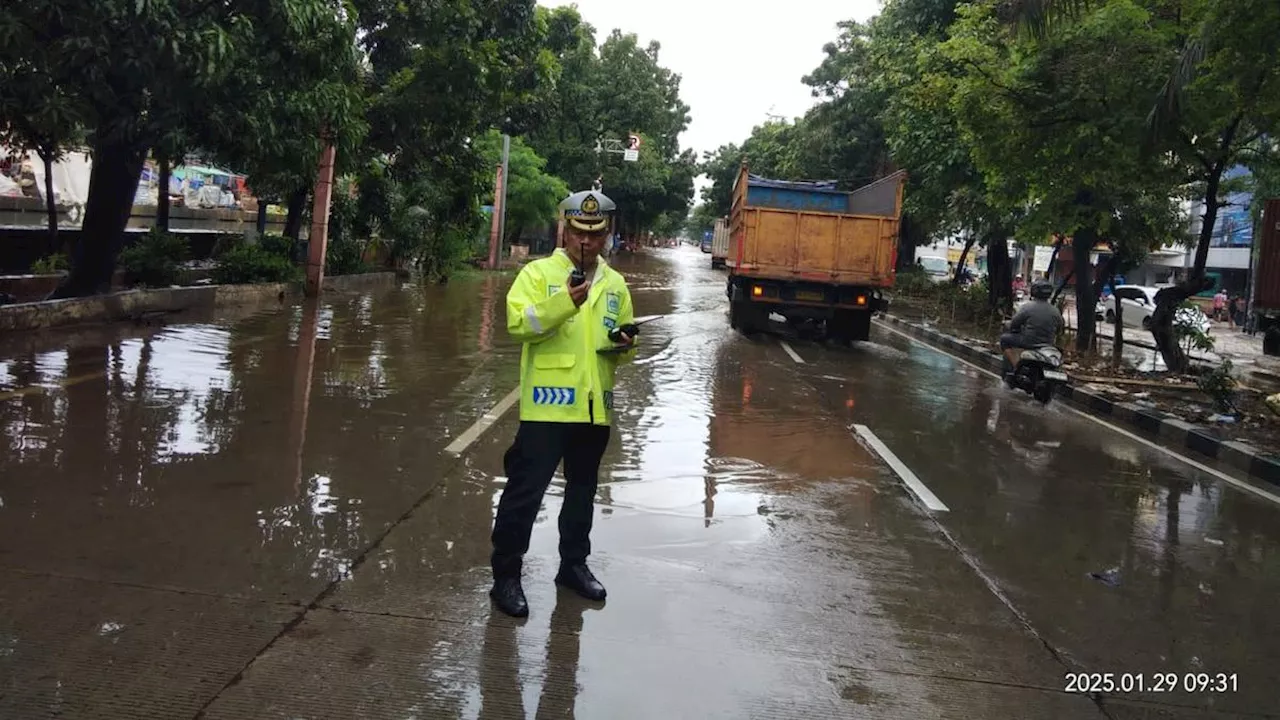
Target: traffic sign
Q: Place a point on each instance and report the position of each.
(633, 142)
(631, 155)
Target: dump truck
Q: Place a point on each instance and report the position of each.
(814, 254)
(1266, 280)
(720, 243)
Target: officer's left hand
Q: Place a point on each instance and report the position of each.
(623, 339)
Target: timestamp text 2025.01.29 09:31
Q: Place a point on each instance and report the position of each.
(1151, 682)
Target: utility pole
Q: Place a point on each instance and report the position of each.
(506, 169)
(319, 237)
(499, 225)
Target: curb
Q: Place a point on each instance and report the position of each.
(1201, 440)
(123, 305)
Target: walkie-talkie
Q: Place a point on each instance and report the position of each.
(577, 277)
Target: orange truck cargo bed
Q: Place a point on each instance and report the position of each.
(817, 256)
(840, 238)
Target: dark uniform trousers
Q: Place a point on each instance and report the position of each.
(530, 464)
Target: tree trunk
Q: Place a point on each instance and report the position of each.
(1117, 344)
(113, 181)
(1168, 299)
(964, 257)
(1053, 259)
(1117, 350)
(999, 272)
(909, 238)
(1086, 297)
(297, 205)
(162, 194)
(50, 203)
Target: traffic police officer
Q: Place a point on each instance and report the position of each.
(565, 309)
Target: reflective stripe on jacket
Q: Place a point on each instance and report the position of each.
(562, 378)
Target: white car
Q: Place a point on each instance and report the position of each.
(1138, 302)
(938, 269)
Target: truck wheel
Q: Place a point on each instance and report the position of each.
(1271, 341)
(743, 317)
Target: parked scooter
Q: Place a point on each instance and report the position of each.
(1038, 372)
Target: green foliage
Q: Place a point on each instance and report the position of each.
(345, 257)
(277, 244)
(702, 220)
(914, 282)
(51, 264)
(1221, 387)
(532, 195)
(1185, 329)
(155, 260)
(405, 89)
(243, 81)
(606, 95)
(244, 264)
(966, 305)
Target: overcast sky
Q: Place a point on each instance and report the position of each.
(738, 61)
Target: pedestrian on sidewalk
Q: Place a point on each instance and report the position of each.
(1220, 305)
(566, 309)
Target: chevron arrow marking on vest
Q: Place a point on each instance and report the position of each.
(553, 396)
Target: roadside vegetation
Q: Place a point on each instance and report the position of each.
(1077, 123)
(415, 95)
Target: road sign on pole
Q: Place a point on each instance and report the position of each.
(631, 155)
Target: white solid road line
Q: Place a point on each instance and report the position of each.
(794, 356)
(926, 496)
(1136, 438)
(468, 436)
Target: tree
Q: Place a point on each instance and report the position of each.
(702, 220)
(36, 111)
(135, 70)
(282, 114)
(606, 94)
(533, 196)
(441, 75)
(1044, 123)
(1219, 101)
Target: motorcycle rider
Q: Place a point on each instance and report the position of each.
(1035, 325)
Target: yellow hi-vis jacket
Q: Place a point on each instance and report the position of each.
(562, 378)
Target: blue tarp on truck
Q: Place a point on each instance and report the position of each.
(796, 196)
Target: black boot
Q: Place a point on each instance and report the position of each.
(508, 595)
(578, 578)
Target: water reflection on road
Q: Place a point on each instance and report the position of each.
(262, 495)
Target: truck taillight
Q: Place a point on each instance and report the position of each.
(862, 300)
(757, 291)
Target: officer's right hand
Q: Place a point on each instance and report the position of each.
(579, 293)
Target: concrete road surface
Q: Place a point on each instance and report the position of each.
(253, 515)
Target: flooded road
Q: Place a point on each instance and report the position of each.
(253, 515)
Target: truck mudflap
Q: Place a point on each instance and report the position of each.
(879, 304)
